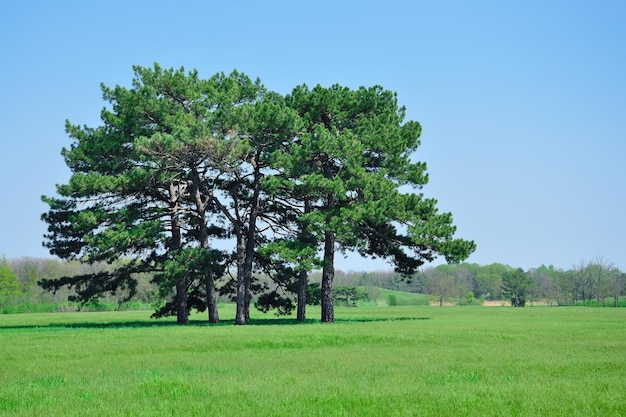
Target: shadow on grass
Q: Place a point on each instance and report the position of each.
(199, 323)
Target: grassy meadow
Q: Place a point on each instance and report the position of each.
(374, 361)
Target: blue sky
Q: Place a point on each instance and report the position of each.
(522, 103)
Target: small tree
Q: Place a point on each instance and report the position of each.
(441, 283)
(517, 285)
(600, 272)
(349, 295)
(392, 300)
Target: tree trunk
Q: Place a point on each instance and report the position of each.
(182, 310)
(247, 268)
(328, 275)
(303, 277)
(211, 297)
(302, 284)
(240, 315)
(209, 282)
(250, 240)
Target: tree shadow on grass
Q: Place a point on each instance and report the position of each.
(154, 323)
(290, 321)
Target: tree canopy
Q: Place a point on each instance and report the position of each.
(517, 285)
(9, 283)
(181, 163)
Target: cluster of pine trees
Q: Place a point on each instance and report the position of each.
(183, 167)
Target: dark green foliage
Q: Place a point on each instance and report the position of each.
(313, 294)
(349, 295)
(188, 265)
(181, 161)
(275, 301)
(517, 285)
(90, 287)
(349, 162)
(142, 183)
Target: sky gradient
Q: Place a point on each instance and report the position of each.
(522, 103)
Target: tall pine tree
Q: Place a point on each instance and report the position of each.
(353, 163)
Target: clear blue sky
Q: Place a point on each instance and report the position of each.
(522, 103)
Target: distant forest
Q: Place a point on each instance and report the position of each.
(596, 282)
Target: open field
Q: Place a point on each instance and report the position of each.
(374, 361)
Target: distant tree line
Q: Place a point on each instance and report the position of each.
(20, 290)
(597, 281)
(594, 282)
(589, 282)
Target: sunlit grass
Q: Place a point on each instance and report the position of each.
(392, 361)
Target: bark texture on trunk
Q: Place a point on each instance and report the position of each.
(211, 296)
(302, 283)
(240, 315)
(209, 281)
(249, 245)
(303, 277)
(182, 310)
(328, 275)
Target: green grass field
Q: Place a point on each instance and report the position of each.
(374, 361)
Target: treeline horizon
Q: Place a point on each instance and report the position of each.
(597, 282)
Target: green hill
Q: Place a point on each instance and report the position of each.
(382, 296)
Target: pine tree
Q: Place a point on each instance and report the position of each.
(353, 163)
